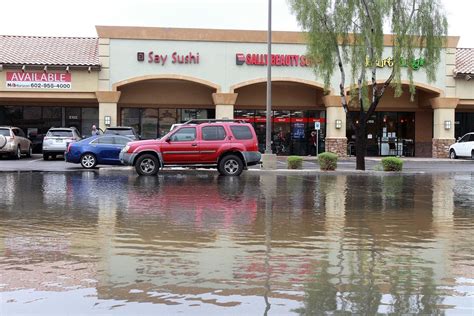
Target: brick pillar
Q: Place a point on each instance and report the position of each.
(443, 125)
(108, 107)
(336, 140)
(224, 103)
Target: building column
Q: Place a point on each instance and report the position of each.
(443, 125)
(336, 140)
(108, 107)
(224, 103)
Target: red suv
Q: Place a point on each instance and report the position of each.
(229, 145)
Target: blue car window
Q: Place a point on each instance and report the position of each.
(105, 140)
(122, 140)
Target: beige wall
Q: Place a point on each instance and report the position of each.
(439, 116)
(465, 89)
(81, 80)
(285, 95)
(167, 93)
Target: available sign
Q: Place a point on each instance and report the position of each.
(38, 80)
(276, 60)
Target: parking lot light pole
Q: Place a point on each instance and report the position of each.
(269, 160)
(268, 148)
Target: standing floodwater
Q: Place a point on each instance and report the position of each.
(195, 243)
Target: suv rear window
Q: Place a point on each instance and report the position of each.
(119, 131)
(213, 133)
(59, 133)
(241, 132)
(5, 132)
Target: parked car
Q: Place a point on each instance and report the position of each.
(464, 147)
(228, 145)
(57, 139)
(122, 130)
(13, 142)
(97, 150)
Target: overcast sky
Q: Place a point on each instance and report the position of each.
(79, 17)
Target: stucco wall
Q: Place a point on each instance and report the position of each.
(218, 62)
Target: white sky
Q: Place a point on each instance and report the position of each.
(79, 17)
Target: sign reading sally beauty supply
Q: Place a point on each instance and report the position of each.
(276, 60)
(38, 80)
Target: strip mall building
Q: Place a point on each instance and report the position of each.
(151, 78)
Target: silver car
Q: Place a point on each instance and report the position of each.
(13, 142)
(57, 139)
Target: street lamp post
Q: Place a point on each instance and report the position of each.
(269, 160)
(268, 135)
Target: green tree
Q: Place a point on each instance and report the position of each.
(350, 34)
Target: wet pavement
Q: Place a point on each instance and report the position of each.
(193, 243)
(413, 165)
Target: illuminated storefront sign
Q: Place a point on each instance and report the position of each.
(174, 58)
(38, 80)
(283, 60)
(415, 64)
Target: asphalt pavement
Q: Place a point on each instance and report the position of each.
(36, 163)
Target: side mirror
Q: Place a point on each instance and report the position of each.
(459, 138)
(168, 140)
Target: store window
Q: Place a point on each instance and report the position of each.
(463, 123)
(148, 124)
(388, 134)
(291, 130)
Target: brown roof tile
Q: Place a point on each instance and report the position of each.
(60, 51)
(464, 61)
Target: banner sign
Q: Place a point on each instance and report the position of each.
(283, 60)
(38, 80)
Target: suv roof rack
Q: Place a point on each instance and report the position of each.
(201, 121)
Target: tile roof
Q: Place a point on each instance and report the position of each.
(38, 50)
(464, 61)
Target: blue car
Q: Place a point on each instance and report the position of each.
(96, 150)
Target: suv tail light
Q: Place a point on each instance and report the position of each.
(45, 138)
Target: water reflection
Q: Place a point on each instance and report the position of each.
(268, 244)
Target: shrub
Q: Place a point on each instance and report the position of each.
(295, 162)
(327, 161)
(392, 164)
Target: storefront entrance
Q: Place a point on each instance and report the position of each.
(464, 123)
(153, 123)
(292, 131)
(388, 134)
(35, 121)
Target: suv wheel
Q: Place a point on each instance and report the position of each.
(147, 165)
(230, 165)
(30, 152)
(88, 161)
(18, 153)
(3, 141)
(452, 154)
(472, 154)
(45, 156)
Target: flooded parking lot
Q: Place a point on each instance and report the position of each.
(262, 244)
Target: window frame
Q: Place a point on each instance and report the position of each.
(216, 127)
(242, 126)
(171, 137)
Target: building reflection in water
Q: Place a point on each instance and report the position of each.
(311, 244)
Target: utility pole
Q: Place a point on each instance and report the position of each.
(269, 160)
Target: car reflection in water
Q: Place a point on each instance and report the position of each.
(307, 245)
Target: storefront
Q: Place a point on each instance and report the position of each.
(153, 123)
(152, 78)
(388, 134)
(35, 121)
(293, 132)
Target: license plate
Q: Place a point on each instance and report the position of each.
(59, 140)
